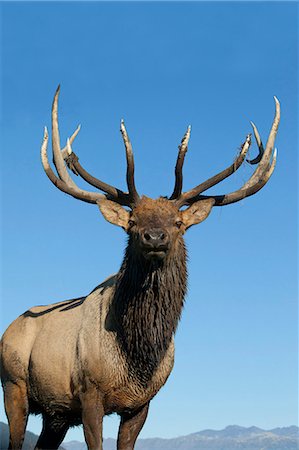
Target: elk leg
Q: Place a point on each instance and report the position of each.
(53, 433)
(130, 426)
(16, 408)
(92, 418)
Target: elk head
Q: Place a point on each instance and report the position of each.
(155, 226)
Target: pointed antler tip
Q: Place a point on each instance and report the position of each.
(276, 99)
(68, 146)
(46, 133)
(254, 128)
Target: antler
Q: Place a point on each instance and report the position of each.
(65, 183)
(259, 178)
(134, 197)
(183, 147)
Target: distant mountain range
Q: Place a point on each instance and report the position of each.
(29, 443)
(231, 438)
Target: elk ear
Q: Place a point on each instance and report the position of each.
(114, 213)
(197, 212)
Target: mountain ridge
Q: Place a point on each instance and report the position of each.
(232, 437)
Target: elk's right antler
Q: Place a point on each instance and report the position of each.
(65, 183)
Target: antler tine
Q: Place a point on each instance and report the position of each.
(57, 156)
(265, 160)
(183, 148)
(261, 175)
(271, 138)
(259, 144)
(89, 197)
(65, 150)
(133, 194)
(186, 196)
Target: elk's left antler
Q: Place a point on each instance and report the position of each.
(258, 179)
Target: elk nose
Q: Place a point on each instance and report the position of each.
(155, 238)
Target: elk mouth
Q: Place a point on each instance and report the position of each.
(156, 253)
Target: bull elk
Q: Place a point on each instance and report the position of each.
(111, 351)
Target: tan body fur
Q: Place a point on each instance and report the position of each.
(57, 370)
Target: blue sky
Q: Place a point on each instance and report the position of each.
(162, 66)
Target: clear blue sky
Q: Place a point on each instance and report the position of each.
(162, 66)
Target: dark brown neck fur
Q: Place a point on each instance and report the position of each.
(147, 305)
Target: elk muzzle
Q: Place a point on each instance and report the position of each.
(155, 243)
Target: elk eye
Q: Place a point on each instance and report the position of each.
(179, 223)
(131, 223)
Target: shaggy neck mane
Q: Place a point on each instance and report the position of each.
(148, 302)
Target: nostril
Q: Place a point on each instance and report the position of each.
(155, 237)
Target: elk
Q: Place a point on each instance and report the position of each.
(111, 351)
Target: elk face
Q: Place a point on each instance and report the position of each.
(152, 225)
(155, 226)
